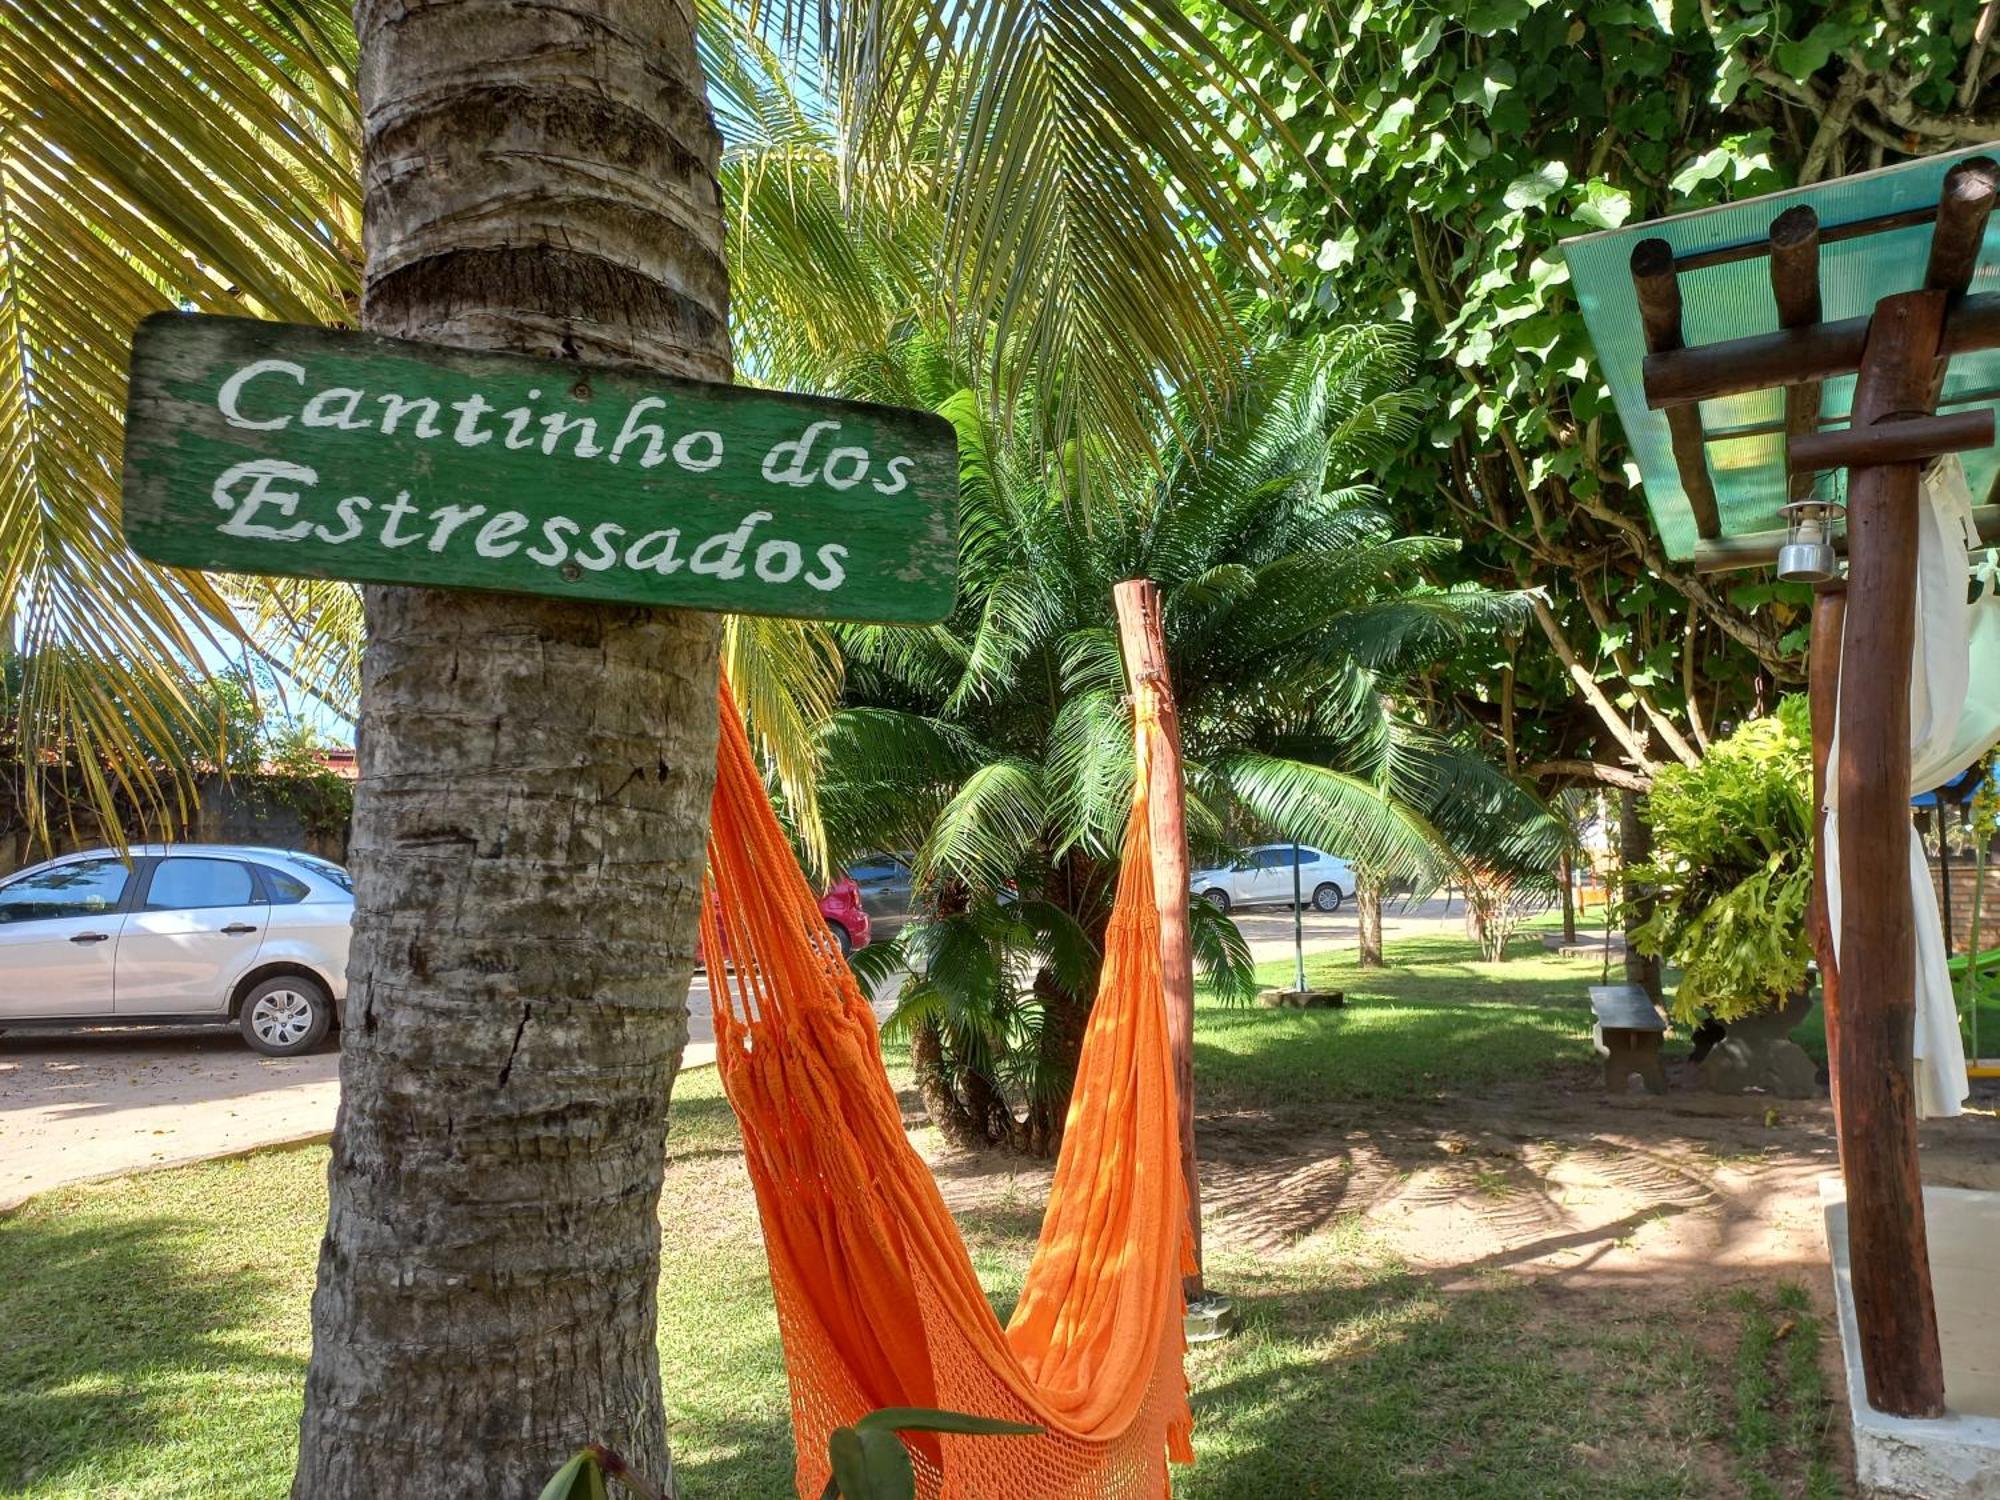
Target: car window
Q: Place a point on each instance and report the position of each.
(1273, 859)
(1310, 856)
(83, 889)
(283, 889)
(880, 867)
(191, 884)
(327, 870)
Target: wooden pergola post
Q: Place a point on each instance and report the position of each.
(1144, 643)
(1875, 1035)
(1860, 669)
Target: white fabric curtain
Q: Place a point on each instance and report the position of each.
(1954, 719)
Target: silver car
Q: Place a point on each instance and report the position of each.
(179, 934)
(1264, 876)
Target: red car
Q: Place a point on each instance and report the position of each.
(841, 906)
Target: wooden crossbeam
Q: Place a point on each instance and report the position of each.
(1911, 440)
(1794, 356)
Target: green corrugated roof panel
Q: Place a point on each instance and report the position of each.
(1734, 299)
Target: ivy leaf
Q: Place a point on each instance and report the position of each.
(1537, 187)
(1395, 120)
(1333, 254)
(1491, 17)
(1604, 205)
(1486, 85)
(1424, 45)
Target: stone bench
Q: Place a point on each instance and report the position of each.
(1628, 1033)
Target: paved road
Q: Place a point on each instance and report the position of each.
(77, 1105)
(82, 1104)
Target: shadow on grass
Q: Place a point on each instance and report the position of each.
(1385, 1388)
(110, 1332)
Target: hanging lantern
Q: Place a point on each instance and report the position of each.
(1808, 555)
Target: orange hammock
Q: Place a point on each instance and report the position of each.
(877, 1299)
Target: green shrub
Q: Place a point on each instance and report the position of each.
(1732, 868)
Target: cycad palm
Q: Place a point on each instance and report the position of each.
(999, 745)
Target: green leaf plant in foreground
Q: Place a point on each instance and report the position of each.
(1732, 868)
(869, 1460)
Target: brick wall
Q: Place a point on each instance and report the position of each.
(1961, 902)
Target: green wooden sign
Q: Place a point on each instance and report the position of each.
(255, 447)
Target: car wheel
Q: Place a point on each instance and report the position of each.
(287, 1015)
(1328, 897)
(1219, 899)
(842, 937)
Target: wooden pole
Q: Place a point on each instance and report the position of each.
(1795, 288)
(1887, 1244)
(1144, 643)
(1659, 292)
(1823, 664)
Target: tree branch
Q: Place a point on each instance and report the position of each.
(1586, 684)
(1590, 770)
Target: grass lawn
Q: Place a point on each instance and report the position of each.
(155, 1328)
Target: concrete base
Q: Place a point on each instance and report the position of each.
(1956, 1456)
(1211, 1319)
(1303, 999)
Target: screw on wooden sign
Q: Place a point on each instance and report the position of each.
(255, 447)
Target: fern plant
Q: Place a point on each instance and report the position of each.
(1732, 869)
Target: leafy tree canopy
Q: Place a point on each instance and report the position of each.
(1450, 148)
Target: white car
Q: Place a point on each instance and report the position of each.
(179, 934)
(1263, 877)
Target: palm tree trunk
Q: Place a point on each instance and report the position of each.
(1566, 873)
(1368, 911)
(528, 831)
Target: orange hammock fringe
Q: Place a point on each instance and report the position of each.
(877, 1299)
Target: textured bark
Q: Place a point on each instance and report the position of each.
(955, 1122)
(1368, 911)
(529, 826)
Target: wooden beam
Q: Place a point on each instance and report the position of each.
(1963, 206)
(1854, 229)
(1795, 288)
(1823, 668)
(1143, 641)
(1911, 440)
(1893, 1304)
(1658, 290)
(1759, 549)
(1794, 356)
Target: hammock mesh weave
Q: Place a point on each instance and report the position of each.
(877, 1299)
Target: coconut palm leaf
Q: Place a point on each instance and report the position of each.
(191, 154)
(1333, 809)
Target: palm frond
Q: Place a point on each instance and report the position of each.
(1222, 958)
(195, 155)
(787, 679)
(987, 828)
(1331, 809)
